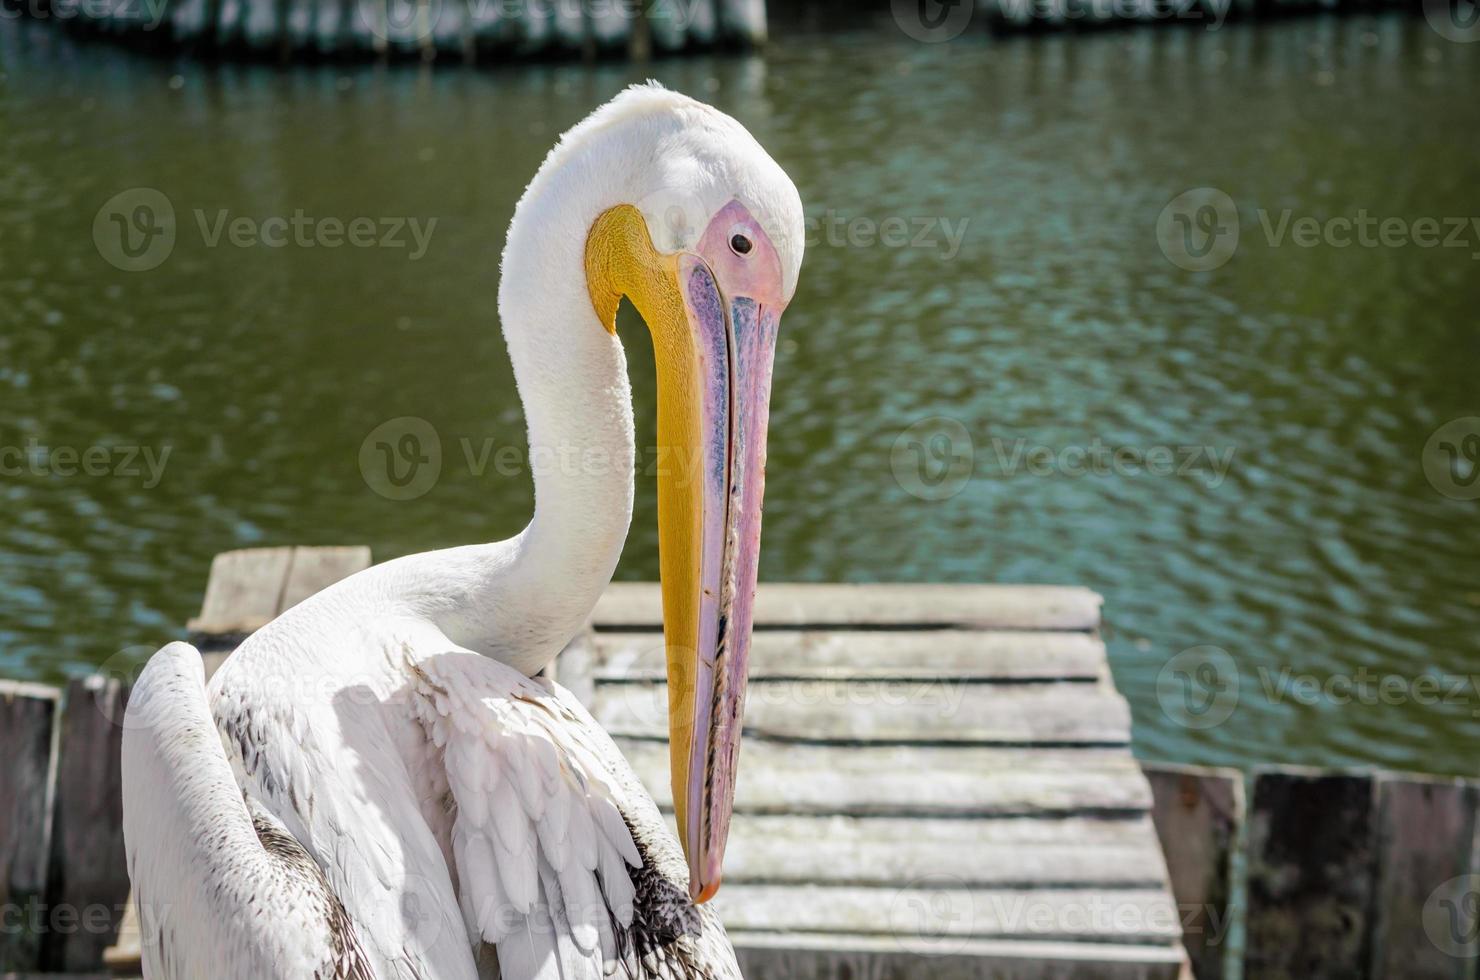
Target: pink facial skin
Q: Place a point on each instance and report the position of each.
(733, 286)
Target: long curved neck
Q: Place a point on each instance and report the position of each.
(536, 591)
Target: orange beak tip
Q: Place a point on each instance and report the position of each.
(706, 893)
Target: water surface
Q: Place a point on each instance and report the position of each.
(1316, 374)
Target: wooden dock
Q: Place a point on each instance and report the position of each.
(936, 781)
(932, 776)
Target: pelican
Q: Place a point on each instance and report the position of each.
(379, 784)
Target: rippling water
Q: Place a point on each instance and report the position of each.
(935, 398)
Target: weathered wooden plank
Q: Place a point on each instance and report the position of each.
(1198, 812)
(941, 909)
(897, 780)
(845, 654)
(884, 851)
(245, 590)
(993, 607)
(1427, 830)
(87, 875)
(1312, 840)
(27, 716)
(314, 569)
(940, 710)
(913, 956)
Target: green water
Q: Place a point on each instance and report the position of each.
(1315, 375)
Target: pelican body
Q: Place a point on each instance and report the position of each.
(377, 784)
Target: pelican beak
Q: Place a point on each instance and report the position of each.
(714, 355)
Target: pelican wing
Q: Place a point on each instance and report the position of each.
(334, 753)
(223, 890)
(543, 854)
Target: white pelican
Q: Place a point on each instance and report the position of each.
(375, 784)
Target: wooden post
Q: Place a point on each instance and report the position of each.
(1198, 814)
(1427, 849)
(87, 875)
(27, 716)
(1313, 840)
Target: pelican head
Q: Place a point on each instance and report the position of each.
(704, 238)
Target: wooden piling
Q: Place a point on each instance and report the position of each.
(1311, 851)
(1350, 873)
(27, 720)
(1426, 844)
(87, 874)
(1198, 814)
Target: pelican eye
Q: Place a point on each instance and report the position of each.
(740, 245)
